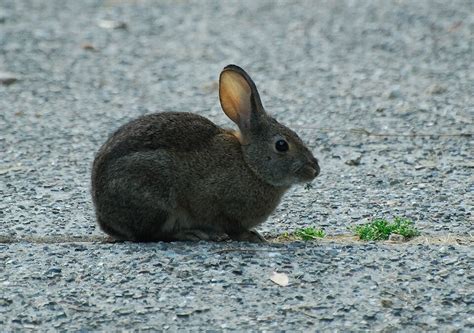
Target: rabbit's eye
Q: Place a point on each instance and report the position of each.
(281, 146)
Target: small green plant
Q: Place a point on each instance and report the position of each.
(381, 229)
(309, 233)
(308, 186)
(306, 234)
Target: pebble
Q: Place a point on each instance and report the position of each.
(436, 89)
(111, 24)
(393, 93)
(7, 79)
(396, 238)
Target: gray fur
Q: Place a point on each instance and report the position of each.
(178, 176)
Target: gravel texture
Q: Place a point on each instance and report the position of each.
(380, 90)
(207, 286)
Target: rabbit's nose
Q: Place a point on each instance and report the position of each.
(314, 163)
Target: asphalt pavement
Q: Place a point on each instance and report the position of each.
(380, 90)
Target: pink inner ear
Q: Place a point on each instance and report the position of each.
(235, 97)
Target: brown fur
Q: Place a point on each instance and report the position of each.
(177, 176)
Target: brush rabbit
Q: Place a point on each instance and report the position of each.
(176, 176)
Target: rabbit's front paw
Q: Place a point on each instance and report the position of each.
(196, 235)
(251, 236)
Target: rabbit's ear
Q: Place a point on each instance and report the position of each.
(239, 98)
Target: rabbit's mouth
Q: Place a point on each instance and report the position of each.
(308, 171)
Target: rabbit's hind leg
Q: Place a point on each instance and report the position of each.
(113, 232)
(149, 228)
(180, 226)
(134, 225)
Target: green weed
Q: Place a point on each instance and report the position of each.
(381, 229)
(309, 233)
